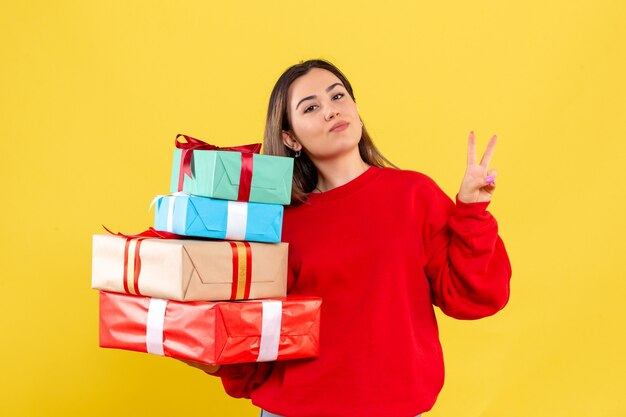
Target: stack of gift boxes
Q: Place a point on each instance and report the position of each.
(208, 282)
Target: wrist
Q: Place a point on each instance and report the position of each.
(473, 206)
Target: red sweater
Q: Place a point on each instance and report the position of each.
(380, 251)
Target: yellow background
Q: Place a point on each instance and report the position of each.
(93, 93)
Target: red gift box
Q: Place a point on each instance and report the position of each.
(212, 332)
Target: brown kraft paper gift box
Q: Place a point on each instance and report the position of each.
(189, 270)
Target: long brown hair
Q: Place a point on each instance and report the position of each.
(304, 172)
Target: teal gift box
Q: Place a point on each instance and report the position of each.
(189, 215)
(217, 174)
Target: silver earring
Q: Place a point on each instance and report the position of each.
(297, 154)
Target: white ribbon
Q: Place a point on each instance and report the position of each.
(154, 326)
(270, 330)
(170, 208)
(155, 199)
(237, 220)
(170, 214)
(160, 196)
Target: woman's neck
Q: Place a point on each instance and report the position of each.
(338, 171)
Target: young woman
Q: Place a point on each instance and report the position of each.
(381, 246)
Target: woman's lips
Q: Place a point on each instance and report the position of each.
(340, 126)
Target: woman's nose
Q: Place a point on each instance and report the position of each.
(331, 113)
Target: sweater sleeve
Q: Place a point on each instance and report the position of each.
(467, 263)
(239, 380)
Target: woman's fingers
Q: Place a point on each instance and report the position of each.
(491, 177)
(486, 159)
(471, 149)
(490, 181)
(479, 181)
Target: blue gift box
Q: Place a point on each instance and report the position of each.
(191, 215)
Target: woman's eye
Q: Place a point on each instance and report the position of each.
(310, 108)
(338, 96)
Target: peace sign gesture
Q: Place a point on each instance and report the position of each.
(478, 183)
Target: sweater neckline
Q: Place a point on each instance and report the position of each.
(345, 189)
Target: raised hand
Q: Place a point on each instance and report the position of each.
(479, 183)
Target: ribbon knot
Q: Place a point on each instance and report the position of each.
(193, 144)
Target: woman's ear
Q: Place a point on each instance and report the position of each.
(290, 142)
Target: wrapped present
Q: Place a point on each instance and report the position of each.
(189, 270)
(212, 332)
(189, 215)
(237, 174)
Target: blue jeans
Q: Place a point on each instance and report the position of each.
(268, 414)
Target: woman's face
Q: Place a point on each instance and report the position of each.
(323, 117)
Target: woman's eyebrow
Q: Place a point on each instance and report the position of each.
(330, 87)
